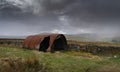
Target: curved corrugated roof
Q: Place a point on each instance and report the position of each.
(39, 41)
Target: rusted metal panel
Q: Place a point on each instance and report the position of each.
(35, 41)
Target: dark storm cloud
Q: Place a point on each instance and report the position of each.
(83, 16)
(72, 7)
(78, 8)
(95, 11)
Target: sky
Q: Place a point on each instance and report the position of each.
(26, 17)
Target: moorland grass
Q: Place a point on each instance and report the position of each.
(14, 59)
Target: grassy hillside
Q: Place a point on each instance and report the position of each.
(93, 38)
(94, 43)
(14, 59)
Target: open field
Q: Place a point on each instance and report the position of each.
(16, 59)
(80, 57)
(92, 47)
(94, 43)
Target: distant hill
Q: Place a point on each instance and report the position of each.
(115, 39)
(92, 37)
(82, 37)
(79, 37)
(13, 37)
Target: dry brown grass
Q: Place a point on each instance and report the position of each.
(21, 65)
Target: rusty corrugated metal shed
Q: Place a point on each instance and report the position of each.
(46, 42)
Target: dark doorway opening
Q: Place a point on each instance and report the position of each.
(44, 44)
(59, 43)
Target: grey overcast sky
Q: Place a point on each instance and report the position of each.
(24, 17)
